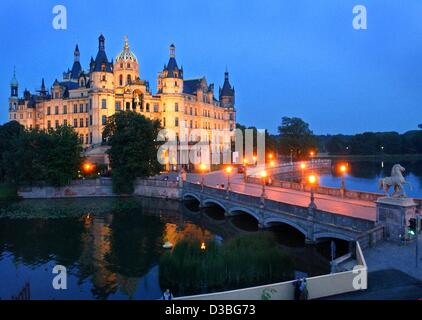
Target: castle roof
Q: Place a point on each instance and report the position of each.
(126, 54)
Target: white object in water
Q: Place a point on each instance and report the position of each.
(168, 245)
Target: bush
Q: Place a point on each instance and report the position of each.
(243, 261)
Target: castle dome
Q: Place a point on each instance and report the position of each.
(126, 55)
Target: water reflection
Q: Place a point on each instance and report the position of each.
(364, 175)
(111, 248)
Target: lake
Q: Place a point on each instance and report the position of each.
(364, 175)
(111, 246)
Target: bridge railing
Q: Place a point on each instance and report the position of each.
(324, 217)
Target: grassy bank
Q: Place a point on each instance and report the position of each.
(243, 261)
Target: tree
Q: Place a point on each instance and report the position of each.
(296, 138)
(271, 142)
(133, 152)
(9, 135)
(338, 144)
(31, 156)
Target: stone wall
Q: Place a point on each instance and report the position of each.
(102, 187)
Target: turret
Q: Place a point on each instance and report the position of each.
(170, 80)
(14, 85)
(227, 93)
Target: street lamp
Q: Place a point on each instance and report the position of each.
(229, 170)
(302, 178)
(343, 171)
(263, 175)
(202, 167)
(312, 179)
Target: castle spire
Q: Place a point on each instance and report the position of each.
(172, 51)
(14, 84)
(77, 53)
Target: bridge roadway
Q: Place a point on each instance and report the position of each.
(348, 207)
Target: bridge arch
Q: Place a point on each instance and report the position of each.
(214, 202)
(245, 210)
(273, 221)
(333, 235)
(191, 195)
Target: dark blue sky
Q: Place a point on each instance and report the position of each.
(286, 58)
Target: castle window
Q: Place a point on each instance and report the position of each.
(121, 80)
(81, 108)
(104, 120)
(75, 123)
(90, 120)
(48, 124)
(128, 65)
(196, 112)
(129, 79)
(48, 111)
(176, 107)
(164, 122)
(81, 138)
(103, 67)
(56, 109)
(176, 122)
(75, 108)
(147, 107)
(127, 106)
(191, 113)
(56, 124)
(156, 108)
(190, 124)
(86, 139)
(64, 109)
(104, 103)
(118, 105)
(81, 122)
(65, 123)
(86, 122)
(14, 116)
(164, 107)
(121, 65)
(90, 137)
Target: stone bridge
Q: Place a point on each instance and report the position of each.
(314, 224)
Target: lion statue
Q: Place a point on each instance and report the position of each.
(396, 181)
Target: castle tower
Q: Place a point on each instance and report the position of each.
(101, 104)
(170, 80)
(227, 100)
(126, 67)
(14, 85)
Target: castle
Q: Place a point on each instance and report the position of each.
(84, 99)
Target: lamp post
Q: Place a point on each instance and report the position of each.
(263, 174)
(312, 179)
(343, 171)
(229, 170)
(302, 178)
(202, 167)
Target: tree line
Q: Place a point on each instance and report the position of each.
(296, 140)
(373, 143)
(29, 157)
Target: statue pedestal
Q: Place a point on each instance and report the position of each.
(394, 214)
